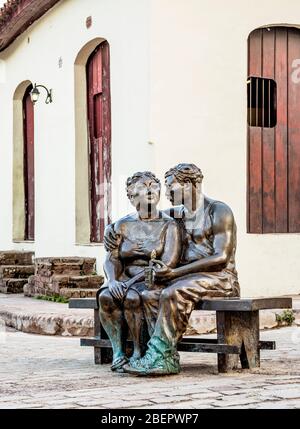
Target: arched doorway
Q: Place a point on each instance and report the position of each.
(93, 141)
(23, 164)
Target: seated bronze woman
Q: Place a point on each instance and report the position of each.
(144, 235)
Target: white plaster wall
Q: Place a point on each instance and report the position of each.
(198, 114)
(178, 79)
(62, 33)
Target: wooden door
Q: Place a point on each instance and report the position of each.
(274, 136)
(99, 120)
(28, 118)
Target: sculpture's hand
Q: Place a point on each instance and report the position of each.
(162, 271)
(143, 248)
(117, 289)
(111, 239)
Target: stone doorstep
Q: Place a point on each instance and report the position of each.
(16, 271)
(12, 285)
(66, 269)
(59, 281)
(70, 269)
(67, 259)
(81, 282)
(78, 292)
(89, 281)
(64, 292)
(69, 277)
(15, 257)
(65, 265)
(64, 285)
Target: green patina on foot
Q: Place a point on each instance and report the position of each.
(158, 360)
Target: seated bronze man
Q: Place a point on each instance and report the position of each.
(207, 269)
(143, 235)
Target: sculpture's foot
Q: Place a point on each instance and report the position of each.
(148, 372)
(134, 359)
(149, 366)
(118, 363)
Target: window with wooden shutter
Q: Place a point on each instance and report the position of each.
(274, 130)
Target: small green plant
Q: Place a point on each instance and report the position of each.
(286, 317)
(59, 299)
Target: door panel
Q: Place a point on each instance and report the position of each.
(293, 133)
(274, 151)
(98, 89)
(255, 145)
(281, 132)
(28, 115)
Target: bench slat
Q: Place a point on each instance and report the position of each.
(244, 304)
(184, 346)
(263, 345)
(208, 348)
(206, 345)
(83, 303)
(214, 304)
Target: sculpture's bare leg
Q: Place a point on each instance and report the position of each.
(134, 317)
(151, 307)
(112, 319)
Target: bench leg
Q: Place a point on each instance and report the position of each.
(241, 329)
(98, 356)
(101, 355)
(250, 355)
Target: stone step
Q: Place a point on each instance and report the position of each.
(78, 293)
(41, 285)
(60, 281)
(16, 257)
(16, 271)
(66, 259)
(12, 285)
(79, 282)
(76, 266)
(64, 268)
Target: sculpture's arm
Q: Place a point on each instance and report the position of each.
(113, 266)
(172, 249)
(111, 238)
(223, 230)
(113, 269)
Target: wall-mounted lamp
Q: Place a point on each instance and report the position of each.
(35, 93)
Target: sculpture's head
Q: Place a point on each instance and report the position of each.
(143, 190)
(182, 181)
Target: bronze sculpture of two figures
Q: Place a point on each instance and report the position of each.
(160, 264)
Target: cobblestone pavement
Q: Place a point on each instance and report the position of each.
(54, 372)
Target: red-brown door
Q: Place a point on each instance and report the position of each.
(274, 134)
(99, 120)
(28, 116)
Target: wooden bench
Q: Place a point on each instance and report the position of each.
(237, 331)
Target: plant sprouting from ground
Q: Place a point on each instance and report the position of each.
(287, 316)
(59, 299)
